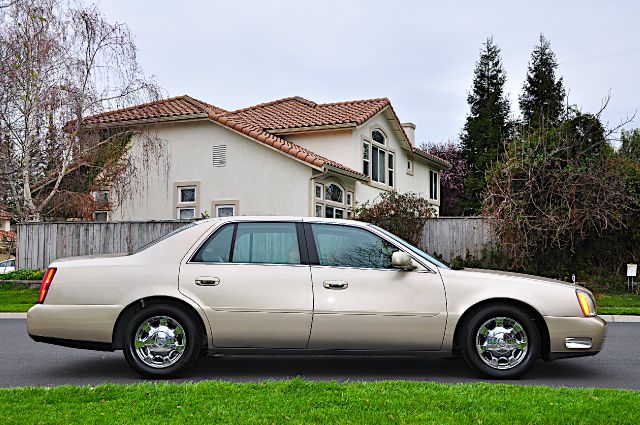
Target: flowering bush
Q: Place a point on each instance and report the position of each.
(401, 214)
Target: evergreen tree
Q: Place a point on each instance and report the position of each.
(630, 144)
(487, 124)
(542, 95)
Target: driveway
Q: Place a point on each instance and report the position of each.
(25, 362)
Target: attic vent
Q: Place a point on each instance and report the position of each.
(219, 155)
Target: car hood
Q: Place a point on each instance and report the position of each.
(511, 277)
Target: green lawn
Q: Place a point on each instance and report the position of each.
(618, 304)
(16, 298)
(300, 401)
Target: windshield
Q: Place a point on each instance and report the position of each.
(415, 250)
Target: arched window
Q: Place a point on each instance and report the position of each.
(378, 136)
(332, 201)
(334, 193)
(378, 161)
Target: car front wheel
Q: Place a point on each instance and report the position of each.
(162, 341)
(500, 342)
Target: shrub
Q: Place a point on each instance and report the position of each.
(23, 274)
(401, 214)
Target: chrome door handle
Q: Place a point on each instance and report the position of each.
(207, 281)
(335, 284)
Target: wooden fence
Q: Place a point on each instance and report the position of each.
(41, 243)
(462, 237)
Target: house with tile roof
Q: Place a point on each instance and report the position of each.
(287, 157)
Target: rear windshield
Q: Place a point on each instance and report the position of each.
(167, 236)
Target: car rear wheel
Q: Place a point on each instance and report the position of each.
(162, 341)
(500, 342)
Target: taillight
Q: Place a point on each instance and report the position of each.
(46, 282)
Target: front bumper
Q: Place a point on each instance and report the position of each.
(90, 323)
(575, 336)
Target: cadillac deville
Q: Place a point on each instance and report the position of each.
(286, 285)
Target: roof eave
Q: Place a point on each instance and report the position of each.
(440, 164)
(357, 176)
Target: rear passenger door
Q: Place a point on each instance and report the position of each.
(253, 281)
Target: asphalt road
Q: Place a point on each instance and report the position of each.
(25, 362)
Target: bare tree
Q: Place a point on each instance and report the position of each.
(60, 64)
(556, 188)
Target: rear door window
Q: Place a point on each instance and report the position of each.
(266, 243)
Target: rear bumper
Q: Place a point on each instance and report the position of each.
(86, 345)
(93, 324)
(575, 336)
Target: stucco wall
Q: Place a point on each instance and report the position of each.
(264, 181)
(345, 146)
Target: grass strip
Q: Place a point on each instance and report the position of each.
(300, 401)
(17, 299)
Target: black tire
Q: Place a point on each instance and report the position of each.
(469, 333)
(192, 335)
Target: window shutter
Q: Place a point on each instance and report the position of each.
(219, 158)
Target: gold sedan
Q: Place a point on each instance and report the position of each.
(283, 285)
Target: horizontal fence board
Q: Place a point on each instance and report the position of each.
(39, 244)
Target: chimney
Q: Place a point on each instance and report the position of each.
(410, 129)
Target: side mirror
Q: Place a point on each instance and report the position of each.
(402, 260)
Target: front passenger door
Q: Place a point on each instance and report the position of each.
(362, 303)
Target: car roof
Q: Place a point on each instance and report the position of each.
(289, 219)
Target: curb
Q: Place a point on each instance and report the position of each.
(620, 319)
(13, 315)
(606, 317)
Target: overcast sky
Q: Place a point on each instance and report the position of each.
(419, 54)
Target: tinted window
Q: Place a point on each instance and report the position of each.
(217, 248)
(343, 246)
(270, 243)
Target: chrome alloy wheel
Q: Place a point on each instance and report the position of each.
(160, 341)
(502, 343)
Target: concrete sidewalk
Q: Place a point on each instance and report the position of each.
(608, 317)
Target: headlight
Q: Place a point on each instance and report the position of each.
(587, 304)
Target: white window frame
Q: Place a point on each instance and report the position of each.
(381, 150)
(348, 199)
(219, 206)
(195, 195)
(335, 208)
(339, 186)
(95, 195)
(410, 166)
(434, 186)
(391, 169)
(315, 193)
(180, 209)
(366, 148)
(106, 213)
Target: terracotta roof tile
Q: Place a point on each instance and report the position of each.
(174, 107)
(297, 112)
(5, 215)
